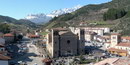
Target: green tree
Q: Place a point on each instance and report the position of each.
(66, 17)
(113, 14)
(5, 28)
(81, 58)
(20, 37)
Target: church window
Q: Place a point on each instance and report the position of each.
(55, 42)
(68, 41)
(69, 51)
(82, 32)
(55, 32)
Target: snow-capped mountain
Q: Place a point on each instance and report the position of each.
(43, 18)
(38, 18)
(65, 10)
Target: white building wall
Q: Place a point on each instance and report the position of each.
(88, 37)
(107, 45)
(2, 41)
(114, 40)
(3, 62)
(72, 29)
(100, 32)
(106, 30)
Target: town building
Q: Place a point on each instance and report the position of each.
(33, 36)
(92, 33)
(103, 39)
(125, 39)
(99, 30)
(89, 36)
(2, 40)
(62, 42)
(9, 37)
(4, 60)
(116, 46)
(3, 50)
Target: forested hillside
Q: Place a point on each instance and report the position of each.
(8, 23)
(114, 14)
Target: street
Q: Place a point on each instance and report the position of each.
(35, 59)
(31, 57)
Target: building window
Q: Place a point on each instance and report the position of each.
(69, 51)
(55, 42)
(114, 37)
(55, 32)
(82, 32)
(68, 41)
(82, 41)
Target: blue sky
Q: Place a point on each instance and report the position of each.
(21, 8)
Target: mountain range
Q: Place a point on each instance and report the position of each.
(43, 18)
(14, 24)
(114, 14)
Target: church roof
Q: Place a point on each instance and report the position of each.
(8, 35)
(67, 33)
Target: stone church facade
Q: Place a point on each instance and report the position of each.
(62, 42)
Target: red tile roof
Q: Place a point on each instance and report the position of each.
(124, 44)
(3, 52)
(127, 38)
(115, 34)
(8, 35)
(2, 57)
(117, 50)
(33, 36)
